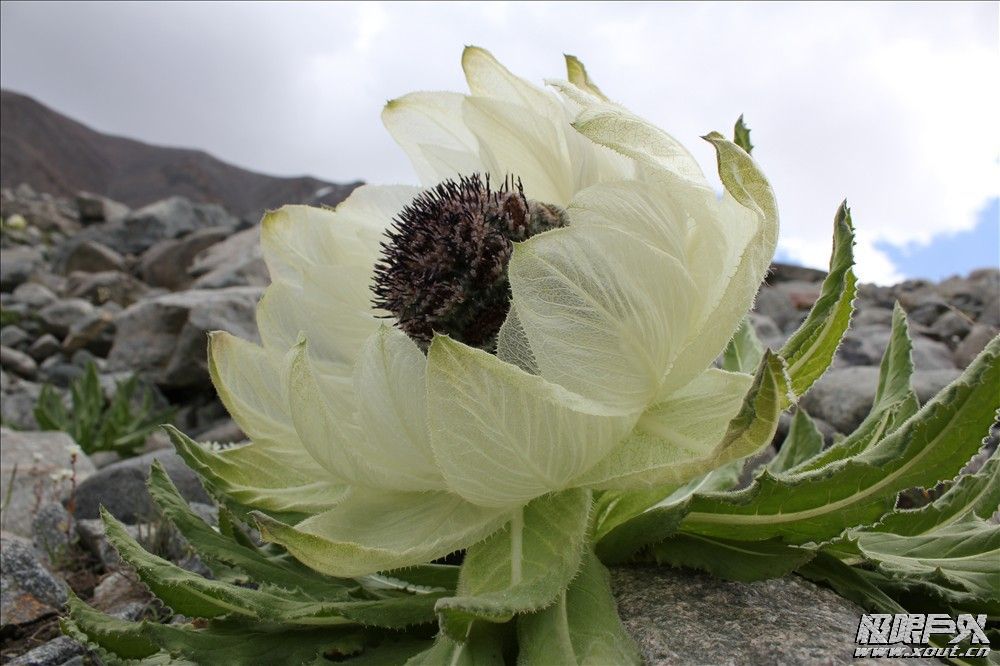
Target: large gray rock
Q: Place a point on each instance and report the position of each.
(106, 286)
(93, 208)
(17, 264)
(679, 616)
(34, 295)
(166, 263)
(121, 488)
(59, 651)
(165, 338)
(17, 401)
(974, 342)
(172, 218)
(235, 262)
(59, 316)
(92, 257)
(18, 362)
(865, 345)
(43, 469)
(28, 591)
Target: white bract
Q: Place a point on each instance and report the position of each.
(603, 374)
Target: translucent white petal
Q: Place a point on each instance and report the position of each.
(675, 439)
(371, 532)
(577, 74)
(735, 247)
(428, 126)
(517, 140)
(502, 436)
(604, 312)
(488, 78)
(390, 383)
(295, 238)
(512, 344)
(612, 126)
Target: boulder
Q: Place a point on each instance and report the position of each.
(165, 338)
(172, 218)
(18, 402)
(121, 488)
(18, 362)
(17, 264)
(107, 286)
(33, 295)
(28, 592)
(235, 262)
(166, 263)
(680, 616)
(44, 347)
(61, 651)
(93, 208)
(973, 343)
(92, 257)
(13, 336)
(44, 467)
(59, 316)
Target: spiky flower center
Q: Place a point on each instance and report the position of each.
(443, 267)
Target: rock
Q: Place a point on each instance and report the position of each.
(18, 403)
(13, 336)
(59, 316)
(54, 531)
(224, 432)
(34, 295)
(44, 468)
(235, 262)
(107, 287)
(17, 264)
(925, 308)
(977, 339)
(18, 362)
(93, 208)
(679, 616)
(775, 304)
(951, 327)
(42, 210)
(164, 338)
(789, 273)
(865, 345)
(92, 257)
(95, 331)
(166, 263)
(122, 595)
(172, 218)
(44, 347)
(61, 651)
(121, 488)
(765, 328)
(28, 591)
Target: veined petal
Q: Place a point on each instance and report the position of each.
(675, 439)
(370, 532)
(612, 126)
(746, 226)
(520, 141)
(248, 380)
(604, 312)
(577, 75)
(390, 384)
(428, 126)
(488, 78)
(502, 436)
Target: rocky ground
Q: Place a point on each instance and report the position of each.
(135, 291)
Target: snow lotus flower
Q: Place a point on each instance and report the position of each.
(542, 314)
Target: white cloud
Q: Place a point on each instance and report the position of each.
(892, 105)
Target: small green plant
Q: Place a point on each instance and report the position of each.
(120, 424)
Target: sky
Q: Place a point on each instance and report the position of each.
(893, 106)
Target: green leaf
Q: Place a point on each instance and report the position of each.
(744, 351)
(582, 627)
(810, 349)
(741, 135)
(521, 568)
(192, 595)
(752, 428)
(814, 506)
(731, 560)
(214, 547)
(971, 496)
(483, 646)
(894, 400)
(850, 583)
(220, 642)
(803, 442)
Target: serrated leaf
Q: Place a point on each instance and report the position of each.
(731, 560)
(894, 400)
(214, 548)
(850, 583)
(223, 643)
(521, 568)
(810, 349)
(741, 135)
(752, 428)
(192, 595)
(971, 496)
(744, 351)
(815, 506)
(582, 627)
(804, 441)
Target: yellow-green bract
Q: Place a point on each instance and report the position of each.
(603, 374)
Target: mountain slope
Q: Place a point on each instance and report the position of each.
(56, 154)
